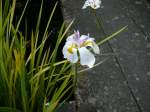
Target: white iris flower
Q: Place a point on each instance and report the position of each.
(76, 49)
(95, 4)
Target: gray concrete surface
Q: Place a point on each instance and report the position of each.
(122, 83)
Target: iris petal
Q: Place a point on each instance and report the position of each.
(95, 4)
(75, 44)
(65, 50)
(84, 37)
(71, 37)
(86, 57)
(71, 56)
(90, 42)
(86, 4)
(95, 48)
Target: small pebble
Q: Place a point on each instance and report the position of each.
(148, 73)
(142, 26)
(137, 78)
(92, 100)
(115, 18)
(136, 34)
(138, 2)
(138, 98)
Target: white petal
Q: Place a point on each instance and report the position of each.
(74, 37)
(86, 4)
(95, 48)
(90, 39)
(86, 57)
(71, 37)
(47, 104)
(72, 57)
(65, 50)
(95, 4)
(84, 37)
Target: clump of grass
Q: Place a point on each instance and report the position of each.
(28, 82)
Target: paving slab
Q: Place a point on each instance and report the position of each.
(139, 12)
(120, 84)
(133, 51)
(67, 107)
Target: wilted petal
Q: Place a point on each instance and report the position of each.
(86, 57)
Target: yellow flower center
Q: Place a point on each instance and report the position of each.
(70, 49)
(84, 44)
(87, 43)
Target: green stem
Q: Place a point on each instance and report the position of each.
(1, 33)
(99, 22)
(75, 83)
(75, 75)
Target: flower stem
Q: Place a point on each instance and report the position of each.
(76, 87)
(99, 21)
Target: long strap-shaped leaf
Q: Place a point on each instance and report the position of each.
(112, 36)
(1, 18)
(1, 22)
(8, 109)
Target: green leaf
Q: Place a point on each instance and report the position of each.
(8, 109)
(112, 36)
